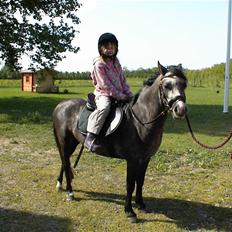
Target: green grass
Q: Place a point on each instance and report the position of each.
(187, 188)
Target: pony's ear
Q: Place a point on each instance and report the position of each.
(162, 69)
(179, 66)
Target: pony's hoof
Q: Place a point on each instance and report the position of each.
(132, 217)
(70, 196)
(58, 186)
(144, 210)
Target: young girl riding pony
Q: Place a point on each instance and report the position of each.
(110, 84)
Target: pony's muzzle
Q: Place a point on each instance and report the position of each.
(179, 109)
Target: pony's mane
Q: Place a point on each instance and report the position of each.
(174, 70)
(147, 82)
(151, 79)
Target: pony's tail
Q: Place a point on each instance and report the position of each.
(56, 139)
(55, 135)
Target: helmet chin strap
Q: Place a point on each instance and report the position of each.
(108, 55)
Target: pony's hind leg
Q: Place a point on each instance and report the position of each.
(60, 179)
(66, 144)
(66, 168)
(63, 168)
(68, 150)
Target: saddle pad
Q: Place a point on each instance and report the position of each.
(83, 120)
(111, 124)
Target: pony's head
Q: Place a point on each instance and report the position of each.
(172, 89)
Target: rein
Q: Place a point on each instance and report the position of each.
(227, 139)
(167, 105)
(163, 113)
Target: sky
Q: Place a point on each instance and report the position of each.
(190, 32)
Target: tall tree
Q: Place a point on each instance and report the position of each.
(41, 29)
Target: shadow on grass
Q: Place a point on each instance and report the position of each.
(186, 215)
(30, 110)
(12, 220)
(205, 119)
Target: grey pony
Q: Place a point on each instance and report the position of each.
(137, 138)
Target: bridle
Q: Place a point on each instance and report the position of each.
(168, 105)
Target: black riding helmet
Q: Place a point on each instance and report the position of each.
(107, 37)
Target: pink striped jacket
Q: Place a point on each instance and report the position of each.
(109, 80)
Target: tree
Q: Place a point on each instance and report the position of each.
(41, 29)
(8, 73)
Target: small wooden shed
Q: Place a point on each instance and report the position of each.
(28, 80)
(39, 81)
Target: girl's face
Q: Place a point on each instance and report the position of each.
(109, 49)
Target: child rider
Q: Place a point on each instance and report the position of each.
(109, 83)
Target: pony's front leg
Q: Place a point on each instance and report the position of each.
(141, 171)
(130, 181)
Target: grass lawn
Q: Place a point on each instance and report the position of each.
(187, 188)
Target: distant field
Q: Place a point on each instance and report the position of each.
(187, 188)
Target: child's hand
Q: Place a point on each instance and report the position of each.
(126, 98)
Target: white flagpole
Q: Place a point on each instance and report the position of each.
(227, 66)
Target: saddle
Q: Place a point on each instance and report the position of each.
(112, 121)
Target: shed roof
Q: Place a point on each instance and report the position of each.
(27, 71)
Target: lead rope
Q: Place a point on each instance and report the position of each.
(227, 139)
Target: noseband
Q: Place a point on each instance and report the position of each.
(168, 105)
